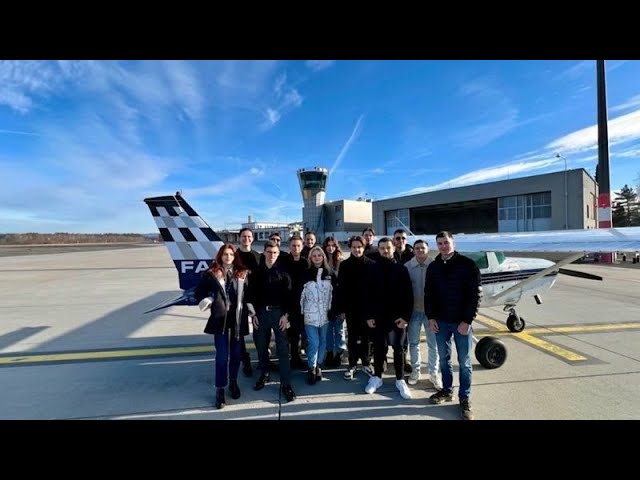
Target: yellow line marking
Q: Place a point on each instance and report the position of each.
(550, 347)
(147, 352)
(572, 329)
(537, 342)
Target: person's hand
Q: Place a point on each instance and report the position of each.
(255, 322)
(371, 323)
(433, 325)
(401, 323)
(284, 322)
(464, 328)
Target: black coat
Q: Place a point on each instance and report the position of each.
(452, 289)
(223, 320)
(350, 293)
(390, 294)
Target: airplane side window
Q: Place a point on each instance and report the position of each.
(500, 257)
(479, 257)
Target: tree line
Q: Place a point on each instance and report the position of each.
(626, 207)
(70, 238)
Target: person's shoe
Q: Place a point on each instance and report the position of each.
(374, 384)
(350, 373)
(288, 393)
(234, 390)
(414, 377)
(368, 369)
(436, 381)
(264, 379)
(318, 373)
(328, 360)
(441, 396)
(403, 389)
(311, 376)
(465, 406)
(220, 403)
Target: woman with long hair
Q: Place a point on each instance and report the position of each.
(225, 284)
(315, 302)
(336, 334)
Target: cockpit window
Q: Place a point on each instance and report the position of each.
(480, 258)
(500, 257)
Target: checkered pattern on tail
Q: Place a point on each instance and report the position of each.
(191, 242)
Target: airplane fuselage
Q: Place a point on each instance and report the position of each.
(498, 277)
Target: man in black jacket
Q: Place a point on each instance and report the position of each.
(452, 294)
(269, 301)
(388, 311)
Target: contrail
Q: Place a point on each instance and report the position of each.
(347, 145)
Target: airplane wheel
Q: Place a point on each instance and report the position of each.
(515, 323)
(491, 352)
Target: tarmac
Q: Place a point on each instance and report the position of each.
(75, 343)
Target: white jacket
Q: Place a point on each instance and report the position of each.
(315, 301)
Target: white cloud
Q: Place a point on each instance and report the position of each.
(631, 103)
(317, 65)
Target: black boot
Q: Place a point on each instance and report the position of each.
(234, 390)
(311, 376)
(220, 403)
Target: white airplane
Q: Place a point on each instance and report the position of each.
(193, 245)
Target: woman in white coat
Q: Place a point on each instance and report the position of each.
(315, 302)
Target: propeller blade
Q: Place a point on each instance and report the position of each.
(575, 273)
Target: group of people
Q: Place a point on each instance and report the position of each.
(384, 293)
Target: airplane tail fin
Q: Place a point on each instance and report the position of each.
(191, 242)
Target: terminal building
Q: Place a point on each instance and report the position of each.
(551, 201)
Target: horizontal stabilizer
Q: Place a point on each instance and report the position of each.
(183, 299)
(576, 273)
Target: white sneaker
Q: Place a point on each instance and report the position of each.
(403, 389)
(435, 380)
(374, 384)
(414, 376)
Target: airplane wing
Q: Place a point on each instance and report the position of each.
(540, 274)
(594, 240)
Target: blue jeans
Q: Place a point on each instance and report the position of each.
(336, 337)
(463, 347)
(227, 359)
(316, 344)
(418, 319)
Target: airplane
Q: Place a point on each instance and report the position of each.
(193, 244)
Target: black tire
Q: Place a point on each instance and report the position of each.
(515, 323)
(491, 352)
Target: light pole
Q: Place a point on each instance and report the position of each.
(566, 193)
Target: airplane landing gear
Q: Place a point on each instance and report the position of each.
(515, 323)
(491, 352)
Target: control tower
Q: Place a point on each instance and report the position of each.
(313, 184)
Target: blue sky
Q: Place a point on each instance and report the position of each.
(83, 142)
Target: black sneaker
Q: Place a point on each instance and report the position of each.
(288, 393)
(220, 402)
(441, 396)
(465, 406)
(264, 379)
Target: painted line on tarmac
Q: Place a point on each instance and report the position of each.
(538, 343)
(124, 354)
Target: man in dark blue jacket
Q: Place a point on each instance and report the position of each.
(452, 294)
